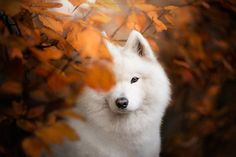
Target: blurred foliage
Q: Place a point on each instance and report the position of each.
(47, 57)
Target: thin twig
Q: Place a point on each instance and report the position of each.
(149, 26)
(89, 12)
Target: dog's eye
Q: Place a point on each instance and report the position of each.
(134, 79)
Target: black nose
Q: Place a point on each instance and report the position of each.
(122, 102)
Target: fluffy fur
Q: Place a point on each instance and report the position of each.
(134, 131)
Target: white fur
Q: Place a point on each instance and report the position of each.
(135, 132)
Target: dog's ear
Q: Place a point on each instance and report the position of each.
(138, 44)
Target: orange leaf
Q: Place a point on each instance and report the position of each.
(33, 147)
(146, 7)
(35, 111)
(99, 77)
(86, 42)
(51, 23)
(77, 2)
(100, 18)
(56, 133)
(57, 81)
(11, 87)
(136, 21)
(110, 4)
(47, 53)
(171, 8)
(159, 25)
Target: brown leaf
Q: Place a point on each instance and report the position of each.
(11, 87)
(26, 125)
(35, 112)
(33, 147)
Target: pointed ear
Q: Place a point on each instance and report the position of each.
(138, 44)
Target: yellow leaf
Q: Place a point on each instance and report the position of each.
(171, 8)
(51, 23)
(146, 7)
(110, 4)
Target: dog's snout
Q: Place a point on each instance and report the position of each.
(122, 102)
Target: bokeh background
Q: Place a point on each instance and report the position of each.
(195, 42)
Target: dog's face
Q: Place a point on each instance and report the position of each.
(141, 88)
(131, 65)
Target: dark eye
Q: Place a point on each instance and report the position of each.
(134, 79)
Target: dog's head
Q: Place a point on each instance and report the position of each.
(137, 71)
(142, 86)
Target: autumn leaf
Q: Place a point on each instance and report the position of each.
(131, 3)
(100, 18)
(57, 81)
(36, 111)
(47, 53)
(71, 114)
(110, 4)
(86, 42)
(159, 25)
(77, 2)
(56, 133)
(136, 21)
(145, 7)
(99, 76)
(26, 125)
(33, 147)
(51, 23)
(171, 8)
(11, 87)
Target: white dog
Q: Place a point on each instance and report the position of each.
(125, 121)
